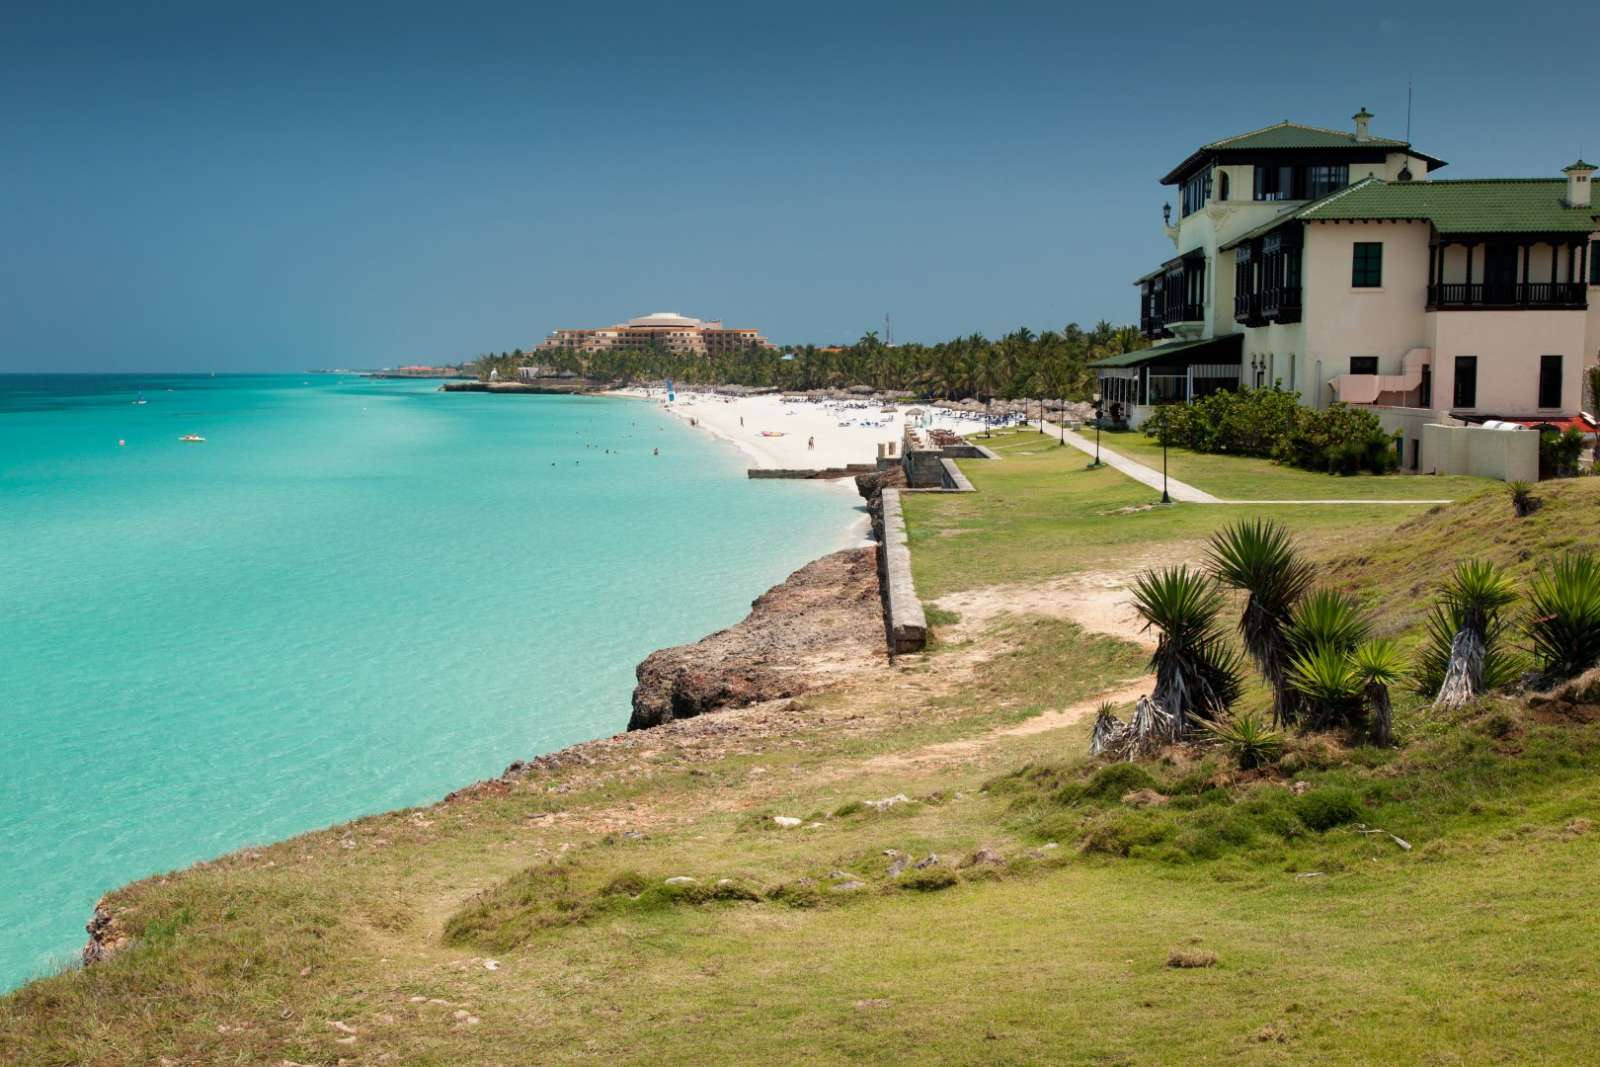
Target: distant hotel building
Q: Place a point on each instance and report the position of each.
(1335, 264)
(665, 331)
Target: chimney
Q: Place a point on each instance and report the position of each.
(1362, 117)
(1578, 183)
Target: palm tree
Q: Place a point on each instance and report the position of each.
(1197, 674)
(1258, 557)
(989, 377)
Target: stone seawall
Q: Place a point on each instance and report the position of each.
(903, 617)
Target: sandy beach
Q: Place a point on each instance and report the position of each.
(809, 434)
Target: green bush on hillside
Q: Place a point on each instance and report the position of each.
(1271, 424)
(1249, 422)
(1559, 452)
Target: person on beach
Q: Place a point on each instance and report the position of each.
(811, 444)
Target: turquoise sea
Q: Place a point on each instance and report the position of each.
(355, 595)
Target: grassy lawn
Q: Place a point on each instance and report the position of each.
(1040, 512)
(531, 920)
(1243, 478)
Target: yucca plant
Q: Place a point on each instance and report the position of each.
(1258, 557)
(1250, 739)
(1522, 499)
(1464, 628)
(1328, 684)
(1502, 665)
(1197, 673)
(1378, 664)
(1563, 624)
(1327, 618)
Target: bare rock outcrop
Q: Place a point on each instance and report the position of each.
(106, 937)
(871, 487)
(825, 620)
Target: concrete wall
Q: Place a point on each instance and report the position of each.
(1510, 455)
(903, 617)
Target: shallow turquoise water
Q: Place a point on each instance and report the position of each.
(356, 595)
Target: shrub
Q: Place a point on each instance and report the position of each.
(1523, 501)
(1323, 809)
(1246, 422)
(1339, 439)
(1559, 452)
(1271, 424)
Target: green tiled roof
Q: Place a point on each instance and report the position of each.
(1294, 135)
(1469, 205)
(1579, 165)
(1225, 349)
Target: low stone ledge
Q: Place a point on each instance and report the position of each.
(850, 470)
(903, 617)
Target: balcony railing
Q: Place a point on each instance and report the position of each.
(1184, 313)
(1508, 295)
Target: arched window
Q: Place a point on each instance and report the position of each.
(1222, 187)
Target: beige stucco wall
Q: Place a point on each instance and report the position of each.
(1343, 321)
(1508, 345)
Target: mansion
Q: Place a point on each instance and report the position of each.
(666, 331)
(1335, 265)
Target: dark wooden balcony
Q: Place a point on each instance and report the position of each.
(1247, 310)
(1490, 296)
(1281, 304)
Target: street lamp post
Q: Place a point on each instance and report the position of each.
(1165, 499)
(1099, 419)
(1099, 415)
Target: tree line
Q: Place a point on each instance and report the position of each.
(1020, 364)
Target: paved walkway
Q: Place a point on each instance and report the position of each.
(1182, 491)
(1137, 471)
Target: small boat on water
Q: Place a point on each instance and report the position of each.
(192, 438)
(141, 400)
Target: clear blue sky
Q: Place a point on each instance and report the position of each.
(225, 186)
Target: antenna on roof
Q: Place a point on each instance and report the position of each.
(1408, 109)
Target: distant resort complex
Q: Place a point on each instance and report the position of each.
(665, 331)
(1333, 265)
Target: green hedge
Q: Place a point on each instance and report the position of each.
(1271, 424)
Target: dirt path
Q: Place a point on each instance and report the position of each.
(1099, 601)
(947, 752)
